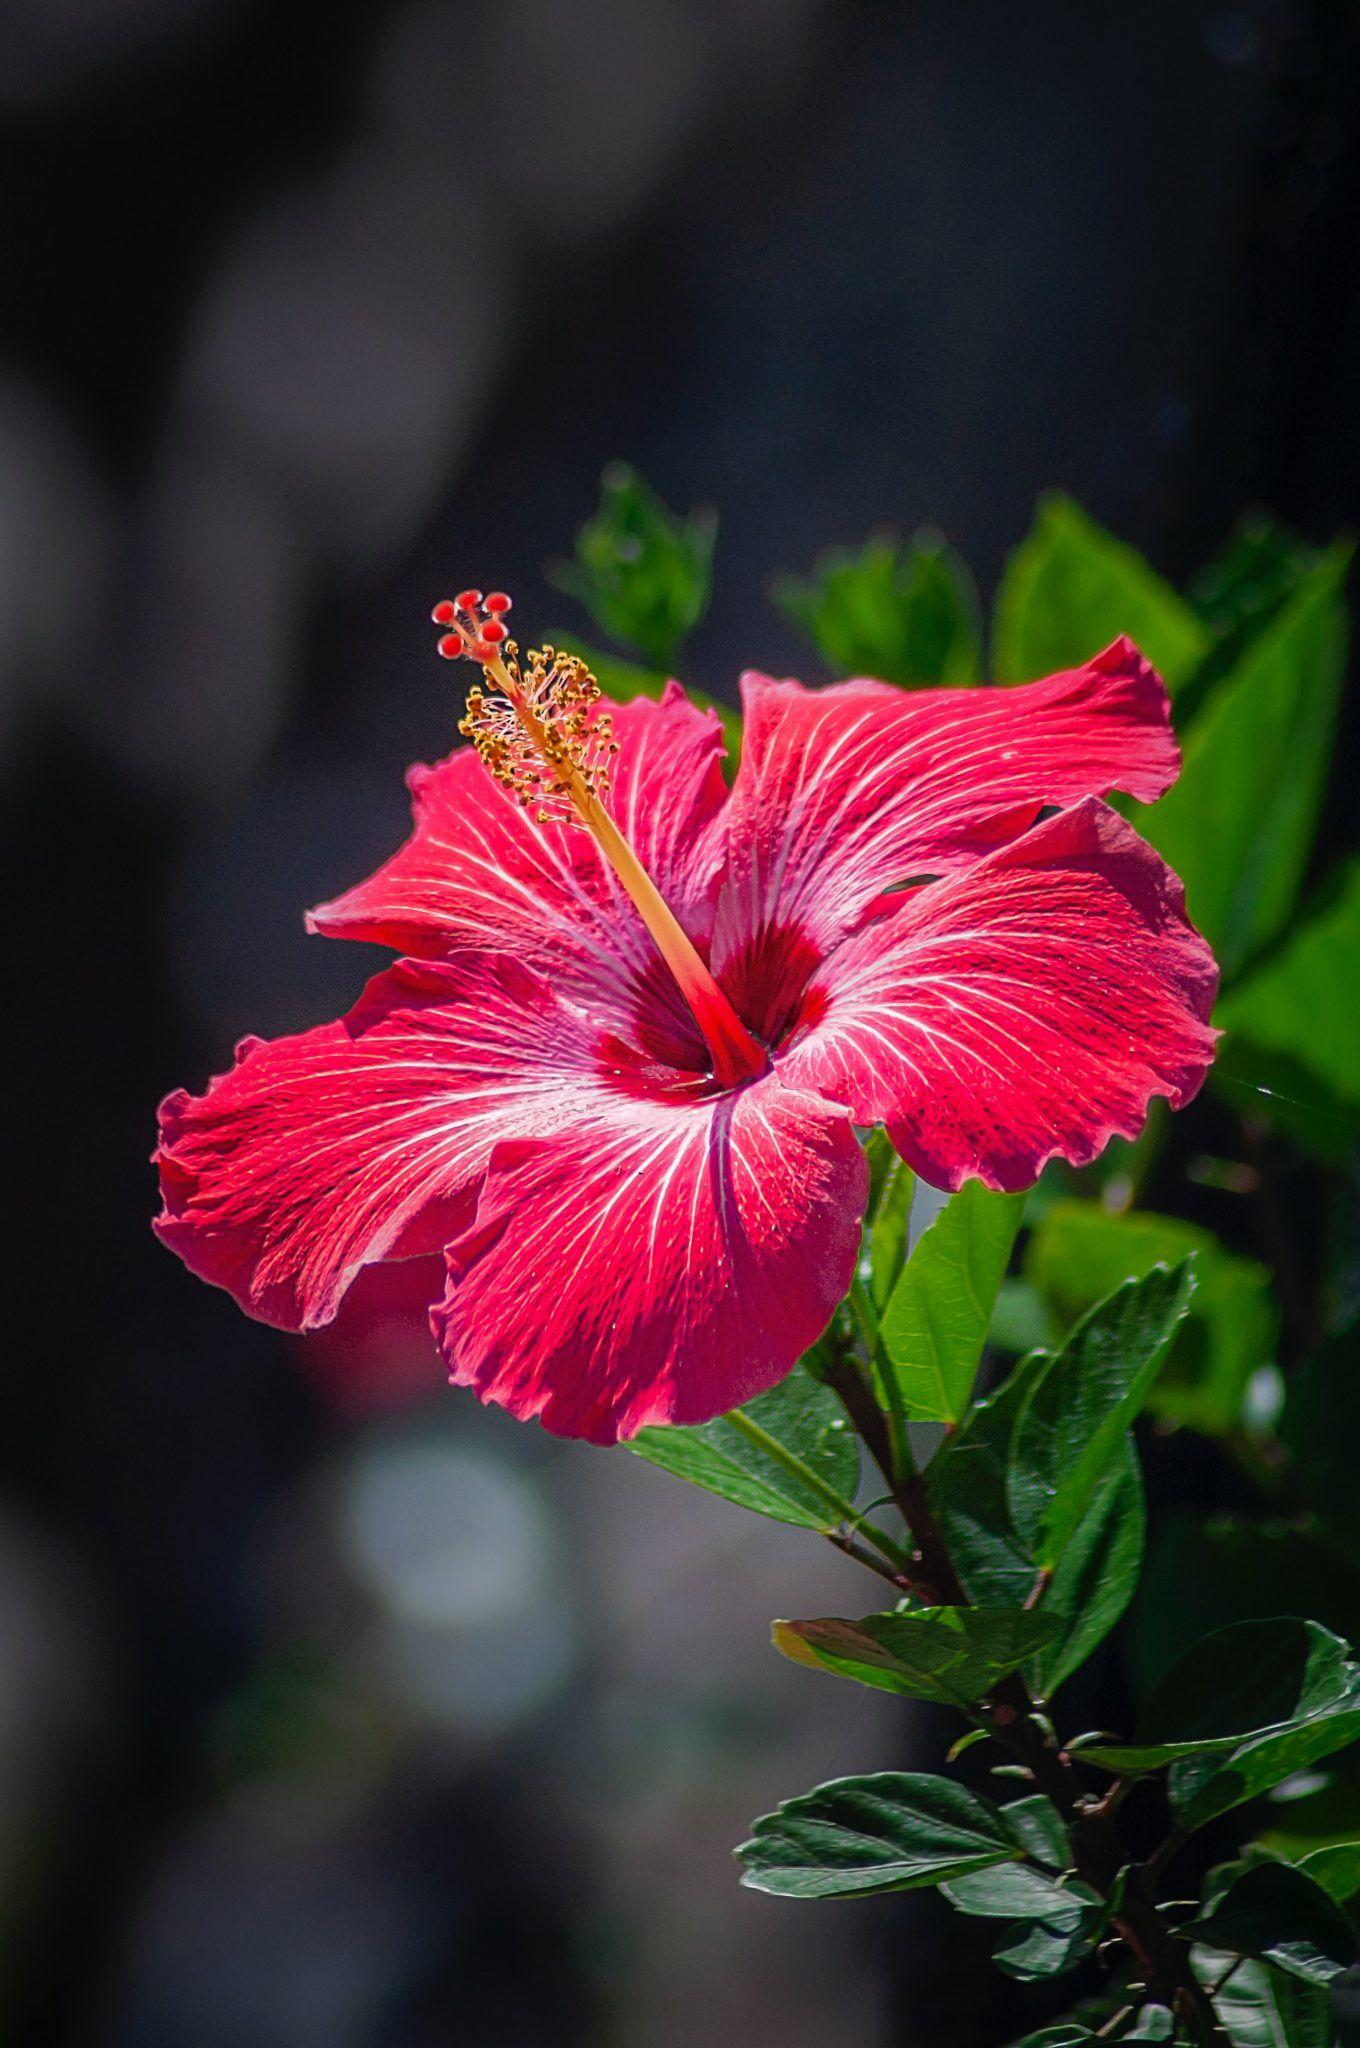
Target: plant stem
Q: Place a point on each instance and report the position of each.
(843, 1510)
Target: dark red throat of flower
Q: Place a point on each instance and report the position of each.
(540, 733)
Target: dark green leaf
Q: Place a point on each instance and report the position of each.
(1070, 588)
(1202, 1787)
(1275, 1912)
(905, 615)
(1066, 2034)
(896, 1831)
(1264, 2008)
(1073, 1424)
(641, 571)
(1238, 826)
(935, 1323)
(1031, 1949)
(1017, 1891)
(1040, 1830)
(1319, 1425)
(1257, 1677)
(808, 1423)
(1300, 1004)
(948, 1654)
(1204, 1573)
(1078, 1251)
(1237, 595)
(967, 1484)
(1095, 1578)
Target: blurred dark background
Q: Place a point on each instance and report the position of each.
(334, 1711)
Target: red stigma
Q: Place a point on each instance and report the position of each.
(497, 602)
(452, 645)
(443, 613)
(493, 630)
(468, 600)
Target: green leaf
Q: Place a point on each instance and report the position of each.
(1255, 1678)
(641, 571)
(1017, 1891)
(1066, 2034)
(1078, 1413)
(967, 1484)
(1202, 1787)
(906, 615)
(1032, 1949)
(1204, 1573)
(1336, 1868)
(1263, 2008)
(1276, 1913)
(1078, 1251)
(1040, 1830)
(621, 681)
(889, 1232)
(807, 1423)
(952, 1655)
(1237, 595)
(935, 1323)
(1238, 826)
(895, 1831)
(1301, 1002)
(1097, 1574)
(1070, 588)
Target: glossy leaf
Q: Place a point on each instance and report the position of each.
(895, 1831)
(808, 1424)
(935, 1323)
(967, 1485)
(952, 1655)
(640, 570)
(1040, 1830)
(1096, 1576)
(1070, 588)
(905, 615)
(1074, 1421)
(1278, 1914)
(1203, 1787)
(1017, 1891)
(1277, 1677)
(1078, 1251)
(890, 1231)
(1261, 2007)
(1238, 826)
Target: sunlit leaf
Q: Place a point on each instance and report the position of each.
(1278, 1914)
(904, 614)
(952, 1655)
(935, 1323)
(640, 570)
(1300, 1003)
(803, 1418)
(1238, 826)
(1070, 588)
(1078, 1252)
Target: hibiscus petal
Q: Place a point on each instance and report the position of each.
(480, 872)
(1027, 1008)
(659, 1262)
(364, 1139)
(845, 791)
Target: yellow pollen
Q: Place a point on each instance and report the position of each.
(540, 734)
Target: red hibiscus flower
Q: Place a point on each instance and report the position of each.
(615, 1077)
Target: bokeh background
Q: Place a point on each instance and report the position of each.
(334, 1711)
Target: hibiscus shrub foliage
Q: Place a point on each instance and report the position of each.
(974, 1427)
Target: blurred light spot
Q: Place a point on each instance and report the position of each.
(51, 552)
(572, 112)
(456, 1553)
(348, 344)
(206, 621)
